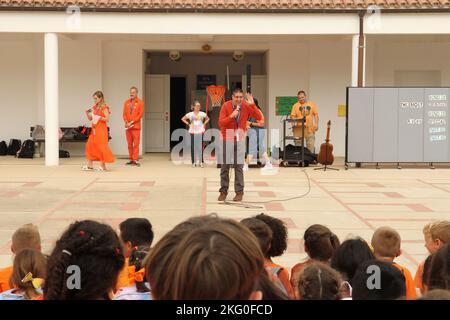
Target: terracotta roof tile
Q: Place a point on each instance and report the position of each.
(206, 5)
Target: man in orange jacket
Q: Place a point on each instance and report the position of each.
(133, 110)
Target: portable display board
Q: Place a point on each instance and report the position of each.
(397, 125)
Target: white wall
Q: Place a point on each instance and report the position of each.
(330, 74)
(19, 78)
(123, 67)
(322, 67)
(388, 55)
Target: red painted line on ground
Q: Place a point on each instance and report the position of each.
(204, 194)
(387, 194)
(131, 206)
(64, 202)
(369, 184)
(147, 184)
(274, 206)
(266, 194)
(140, 194)
(260, 184)
(413, 206)
(10, 194)
(362, 219)
(31, 184)
(433, 185)
(356, 214)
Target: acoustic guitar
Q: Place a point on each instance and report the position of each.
(325, 156)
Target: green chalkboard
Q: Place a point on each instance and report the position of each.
(283, 105)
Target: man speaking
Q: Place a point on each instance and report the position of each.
(233, 119)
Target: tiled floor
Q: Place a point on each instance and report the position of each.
(352, 202)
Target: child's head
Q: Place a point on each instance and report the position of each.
(320, 242)
(278, 244)
(26, 237)
(155, 267)
(96, 252)
(28, 261)
(378, 280)
(349, 255)
(135, 232)
(439, 274)
(318, 281)
(386, 243)
(261, 231)
(436, 234)
(136, 264)
(219, 259)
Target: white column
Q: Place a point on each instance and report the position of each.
(51, 99)
(355, 52)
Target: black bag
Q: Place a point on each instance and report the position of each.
(294, 153)
(3, 148)
(14, 146)
(27, 150)
(64, 154)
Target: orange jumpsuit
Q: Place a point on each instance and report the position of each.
(97, 145)
(133, 110)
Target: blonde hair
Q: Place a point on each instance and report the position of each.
(26, 237)
(100, 95)
(438, 229)
(28, 260)
(386, 242)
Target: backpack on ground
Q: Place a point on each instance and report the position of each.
(27, 150)
(14, 146)
(64, 154)
(3, 148)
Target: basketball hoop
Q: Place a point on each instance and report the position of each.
(216, 94)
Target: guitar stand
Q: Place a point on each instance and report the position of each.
(325, 167)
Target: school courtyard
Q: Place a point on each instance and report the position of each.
(350, 202)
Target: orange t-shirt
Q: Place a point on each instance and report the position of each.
(5, 274)
(418, 278)
(409, 282)
(310, 110)
(122, 280)
(295, 272)
(283, 275)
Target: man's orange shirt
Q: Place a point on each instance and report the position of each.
(134, 115)
(5, 274)
(409, 282)
(310, 113)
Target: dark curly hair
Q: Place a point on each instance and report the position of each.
(261, 231)
(96, 249)
(278, 244)
(136, 259)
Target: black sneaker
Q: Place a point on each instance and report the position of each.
(129, 163)
(137, 164)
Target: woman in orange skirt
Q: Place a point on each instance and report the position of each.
(97, 145)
